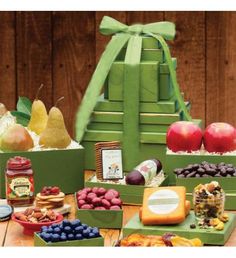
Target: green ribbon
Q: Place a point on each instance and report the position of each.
(131, 92)
(161, 31)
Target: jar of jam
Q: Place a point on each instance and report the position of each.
(19, 182)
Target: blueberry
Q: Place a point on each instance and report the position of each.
(67, 229)
(63, 238)
(79, 230)
(57, 230)
(42, 234)
(54, 225)
(65, 222)
(44, 228)
(84, 226)
(91, 235)
(86, 233)
(47, 237)
(71, 237)
(95, 231)
(75, 223)
(55, 237)
(50, 230)
(78, 237)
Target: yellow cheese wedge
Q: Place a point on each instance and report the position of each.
(164, 205)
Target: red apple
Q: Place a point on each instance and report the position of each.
(184, 136)
(219, 137)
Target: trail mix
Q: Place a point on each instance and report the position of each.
(209, 202)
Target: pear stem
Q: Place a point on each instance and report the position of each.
(38, 91)
(60, 99)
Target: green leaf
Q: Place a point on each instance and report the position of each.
(21, 117)
(24, 105)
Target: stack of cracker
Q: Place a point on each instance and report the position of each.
(98, 154)
(50, 201)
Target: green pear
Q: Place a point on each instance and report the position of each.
(39, 117)
(16, 138)
(55, 134)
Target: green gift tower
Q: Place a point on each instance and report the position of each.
(141, 96)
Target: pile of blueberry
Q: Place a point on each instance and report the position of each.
(67, 231)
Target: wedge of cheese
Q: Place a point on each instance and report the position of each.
(164, 205)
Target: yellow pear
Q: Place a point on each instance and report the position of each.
(39, 116)
(3, 109)
(55, 134)
(16, 138)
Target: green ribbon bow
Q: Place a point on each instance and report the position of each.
(110, 26)
(132, 35)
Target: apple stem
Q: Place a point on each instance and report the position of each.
(60, 99)
(39, 89)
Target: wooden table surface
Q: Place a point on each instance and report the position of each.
(11, 232)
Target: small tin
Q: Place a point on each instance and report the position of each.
(5, 212)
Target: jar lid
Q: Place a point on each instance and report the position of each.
(5, 212)
(18, 163)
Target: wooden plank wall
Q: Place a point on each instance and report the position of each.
(61, 49)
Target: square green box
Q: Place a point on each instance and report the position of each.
(165, 87)
(39, 242)
(100, 218)
(164, 107)
(175, 160)
(63, 168)
(149, 78)
(207, 236)
(146, 55)
(119, 127)
(129, 194)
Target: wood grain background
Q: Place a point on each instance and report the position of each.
(61, 49)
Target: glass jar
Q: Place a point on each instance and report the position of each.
(19, 182)
(208, 206)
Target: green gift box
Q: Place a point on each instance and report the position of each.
(39, 242)
(63, 168)
(149, 89)
(165, 84)
(164, 107)
(131, 47)
(129, 194)
(100, 218)
(207, 236)
(147, 151)
(176, 160)
(227, 183)
(119, 127)
(146, 55)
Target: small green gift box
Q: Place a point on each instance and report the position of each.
(63, 168)
(149, 90)
(165, 84)
(162, 107)
(100, 218)
(208, 236)
(129, 194)
(181, 160)
(39, 242)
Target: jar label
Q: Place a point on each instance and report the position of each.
(19, 188)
